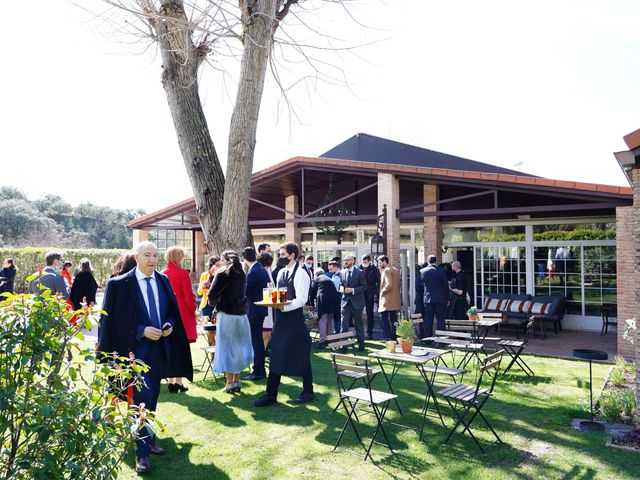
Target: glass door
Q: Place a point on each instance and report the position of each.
(500, 269)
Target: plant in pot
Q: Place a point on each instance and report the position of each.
(472, 313)
(406, 333)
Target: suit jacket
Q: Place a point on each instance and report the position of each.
(358, 283)
(372, 274)
(52, 280)
(324, 295)
(436, 286)
(126, 317)
(257, 279)
(389, 290)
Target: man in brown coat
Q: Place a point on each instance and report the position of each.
(389, 302)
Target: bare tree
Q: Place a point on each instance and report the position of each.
(189, 33)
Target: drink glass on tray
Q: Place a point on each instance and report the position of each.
(282, 294)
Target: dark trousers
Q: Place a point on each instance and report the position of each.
(155, 358)
(370, 318)
(388, 320)
(459, 307)
(273, 382)
(352, 316)
(257, 342)
(440, 312)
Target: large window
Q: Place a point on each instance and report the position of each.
(575, 231)
(168, 238)
(505, 233)
(583, 274)
(500, 270)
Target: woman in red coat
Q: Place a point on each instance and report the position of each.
(181, 285)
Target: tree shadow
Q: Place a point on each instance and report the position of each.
(210, 409)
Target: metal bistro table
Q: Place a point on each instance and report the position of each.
(419, 358)
(483, 326)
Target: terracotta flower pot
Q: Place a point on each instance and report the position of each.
(473, 317)
(407, 345)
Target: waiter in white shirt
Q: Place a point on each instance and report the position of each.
(290, 340)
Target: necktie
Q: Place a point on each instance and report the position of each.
(286, 276)
(153, 311)
(349, 278)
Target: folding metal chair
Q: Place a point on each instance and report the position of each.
(354, 376)
(342, 341)
(376, 401)
(469, 399)
(515, 347)
(207, 363)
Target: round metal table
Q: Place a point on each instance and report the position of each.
(587, 354)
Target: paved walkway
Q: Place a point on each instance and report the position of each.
(562, 345)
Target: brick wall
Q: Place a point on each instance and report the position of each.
(389, 194)
(627, 305)
(291, 230)
(432, 232)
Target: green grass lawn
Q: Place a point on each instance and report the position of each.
(214, 435)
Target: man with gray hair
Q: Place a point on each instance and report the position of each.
(458, 288)
(142, 317)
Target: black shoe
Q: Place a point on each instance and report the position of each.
(265, 401)
(305, 397)
(360, 349)
(181, 387)
(173, 388)
(344, 350)
(253, 377)
(143, 465)
(321, 345)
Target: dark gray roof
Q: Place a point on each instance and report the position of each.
(368, 148)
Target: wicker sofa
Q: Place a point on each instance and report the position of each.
(517, 309)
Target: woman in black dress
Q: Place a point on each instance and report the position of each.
(7, 276)
(84, 286)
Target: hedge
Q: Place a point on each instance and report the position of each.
(27, 260)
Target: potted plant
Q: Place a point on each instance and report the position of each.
(472, 313)
(406, 333)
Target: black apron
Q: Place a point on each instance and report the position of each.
(290, 340)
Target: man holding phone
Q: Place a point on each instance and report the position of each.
(142, 317)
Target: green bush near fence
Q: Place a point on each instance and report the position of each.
(27, 260)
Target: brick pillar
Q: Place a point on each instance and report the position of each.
(625, 263)
(291, 230)
(140, 236)
(432, 230)
(389, 194)
(200, 255)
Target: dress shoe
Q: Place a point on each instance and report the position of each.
(143, 465)
(236, 386)
(173, 388)
(156, 449)
(360, 349)
(181, 387)
(265, 401)
(305, 397)
(253, 377)
(321, 346)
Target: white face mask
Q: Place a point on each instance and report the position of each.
(309, 264)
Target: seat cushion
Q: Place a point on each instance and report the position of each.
(494, 304)
(517, 306)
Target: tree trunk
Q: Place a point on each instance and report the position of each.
(180, 62)
(259, 21)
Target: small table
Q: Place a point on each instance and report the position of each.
(486, 324)
(398, 358)
(590, 425)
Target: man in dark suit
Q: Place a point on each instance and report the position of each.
(354, 287)
(257, 279)
(142, 317)
(436, 294)
(372, 276)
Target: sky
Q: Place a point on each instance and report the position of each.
(546, 87)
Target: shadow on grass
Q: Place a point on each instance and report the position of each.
(175, 464)
(210, 409)
(520, 377)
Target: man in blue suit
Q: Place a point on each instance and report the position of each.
(436, 294)
(142, 317)
(257, 279)
(354, 286)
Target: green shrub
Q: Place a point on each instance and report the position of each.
(60, 415)
(617, 376)
(618, 405)
(27, 260)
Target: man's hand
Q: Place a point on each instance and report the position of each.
(166, 331)
(348, 290)
(152, 333)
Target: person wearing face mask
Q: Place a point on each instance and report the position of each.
(354, 287)
(290, 340)
(372, 276)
